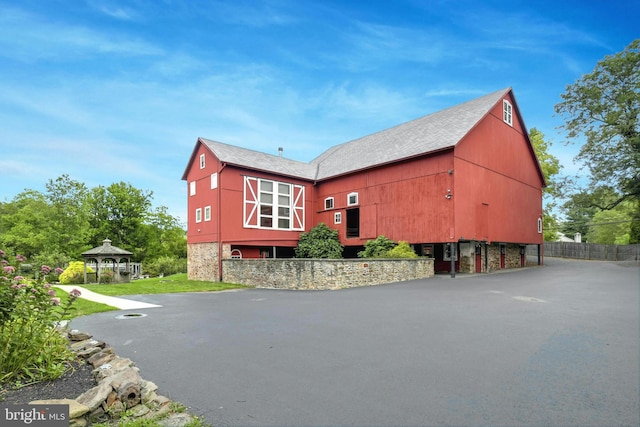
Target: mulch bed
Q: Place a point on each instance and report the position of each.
(70, 385)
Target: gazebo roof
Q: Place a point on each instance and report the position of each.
(105, 250)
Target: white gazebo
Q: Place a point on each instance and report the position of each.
(108, 257)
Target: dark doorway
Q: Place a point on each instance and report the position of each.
(353, 222)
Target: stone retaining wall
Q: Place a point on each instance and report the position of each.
(119, 390)
(323, 274)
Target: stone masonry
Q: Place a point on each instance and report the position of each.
(322, 274)
(120, 390)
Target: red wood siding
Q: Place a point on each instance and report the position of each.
(497, 183)
(232, 186)
(404, 201)
(204, 231)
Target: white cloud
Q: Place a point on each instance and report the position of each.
(30, 37)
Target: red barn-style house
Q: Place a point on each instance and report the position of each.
(462, 185)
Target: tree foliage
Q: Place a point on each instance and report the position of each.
(613, 226)
(550, 166)
(57, 225)
(320, 242)
(604, 107)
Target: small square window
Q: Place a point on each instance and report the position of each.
(192, 188)
(214, 181)
(337, 218)
(207, 213)
(201, 161)
(352, 199)
(507, 114)
(199, 215)
(328, 203)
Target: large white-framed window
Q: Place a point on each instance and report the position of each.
(192, 188)
(507, 112)
(214, 181)
(328, 203)
(337, 218)
(207, 213)
(202, 161)
(199, 215)
(273, 204)
(352, 199)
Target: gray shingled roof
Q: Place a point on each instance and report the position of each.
(434, 132)
(261, 161)
(106, 249)
(437, 131)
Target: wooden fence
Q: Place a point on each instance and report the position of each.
(589, 251)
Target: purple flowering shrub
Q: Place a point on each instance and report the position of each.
(32, 348)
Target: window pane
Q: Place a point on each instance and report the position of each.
(266, 210)
(266, 186)
(328, 203)
(284, 200)
(266, 221)
(266, 198)
(284, 188)
(283, 212)
(283, 223)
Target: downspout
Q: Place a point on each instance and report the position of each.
(220, 221)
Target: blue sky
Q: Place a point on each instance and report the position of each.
(113, 90)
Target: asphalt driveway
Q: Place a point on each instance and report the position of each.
(551, 346)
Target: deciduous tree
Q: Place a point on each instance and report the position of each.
(603, 107)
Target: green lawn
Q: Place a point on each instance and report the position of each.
(157, 285)
(161, 285)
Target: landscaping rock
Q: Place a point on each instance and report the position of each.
(96, 396)
(105, 355)
(120, 389)
(176, 420)
(75, 409)
(129, 394)
(76, 335)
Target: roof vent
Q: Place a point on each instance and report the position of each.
(280, 150)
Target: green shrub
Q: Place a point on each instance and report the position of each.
(106, 276)
(31, 347)
(165, 266)
(377, 248)
(319, 242)
(402, 250)
(74, 273)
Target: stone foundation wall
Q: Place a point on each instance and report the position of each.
(322, 274)
(512, 256)
(203, 261)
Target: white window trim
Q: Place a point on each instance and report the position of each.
(540, 225)
(214, 181)
(329, 201)
(354, 194)
(207, 213)
(507, 112)
(192, 188)
(199, 215)
(202, 161)
(337, 218)
(252, 201)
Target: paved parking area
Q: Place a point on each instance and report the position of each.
(551, 346)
